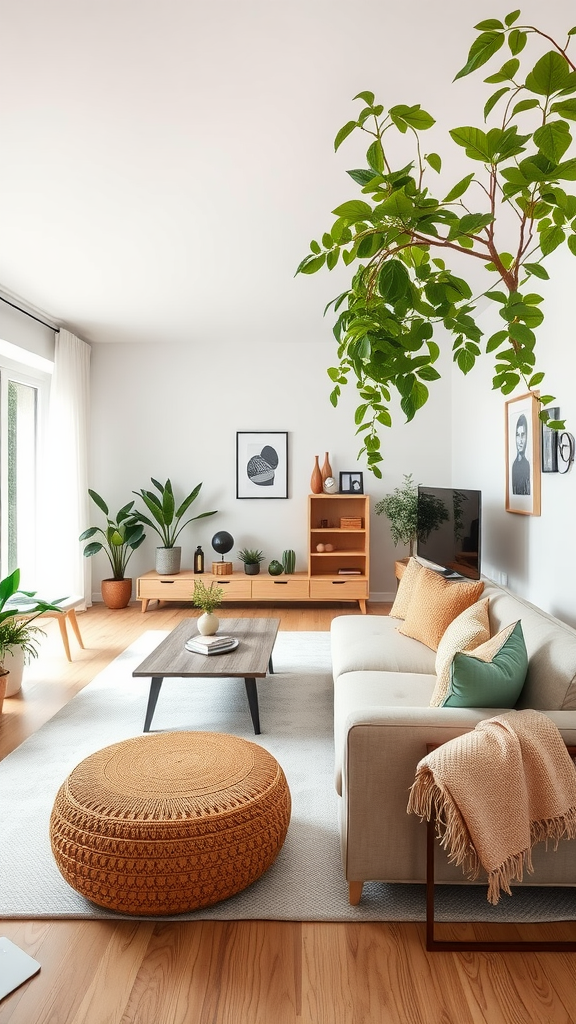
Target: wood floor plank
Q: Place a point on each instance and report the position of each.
(106, 996)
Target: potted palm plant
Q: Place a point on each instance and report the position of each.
(251, 558)
(166, 521)
(120, 539)
(207, 598)
(18, 638)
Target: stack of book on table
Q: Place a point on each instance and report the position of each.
(210, 644)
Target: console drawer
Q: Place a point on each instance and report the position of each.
(281, 588)
(348, 588)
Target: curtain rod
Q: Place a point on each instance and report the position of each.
(31, 315)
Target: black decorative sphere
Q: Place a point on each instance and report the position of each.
(222, 542)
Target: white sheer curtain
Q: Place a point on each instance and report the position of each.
(63, 570)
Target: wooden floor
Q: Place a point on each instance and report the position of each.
(254, 972)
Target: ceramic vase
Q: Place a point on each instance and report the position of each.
(326, 469)
(14, 665)
(208, 624)
(316, 479)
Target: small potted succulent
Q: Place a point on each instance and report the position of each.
(251, 558)
(207, 598)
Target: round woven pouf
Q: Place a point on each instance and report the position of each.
(169, 823)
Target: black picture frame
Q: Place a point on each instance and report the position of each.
(262, 464)
(351, 482)
(550, 444)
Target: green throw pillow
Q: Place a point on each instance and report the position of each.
(492, 675)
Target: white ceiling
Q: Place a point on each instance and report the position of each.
(165, 163)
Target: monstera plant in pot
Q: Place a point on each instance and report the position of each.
(120, 539)
(166, 521)
(18, 638)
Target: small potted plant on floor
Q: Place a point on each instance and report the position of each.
(166, 522)
(251, 558)
(18, 638)
(207, 598)
(121, 537)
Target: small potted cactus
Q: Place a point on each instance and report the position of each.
(251, 558)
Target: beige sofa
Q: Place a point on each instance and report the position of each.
(383, 682)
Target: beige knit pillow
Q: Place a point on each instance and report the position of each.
(468, 630)
(434, 604)
(405, 589)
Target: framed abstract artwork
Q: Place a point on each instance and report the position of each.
(262, 464)
(522, 428)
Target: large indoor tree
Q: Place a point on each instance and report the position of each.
(401, 238)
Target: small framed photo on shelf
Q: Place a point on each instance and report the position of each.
(262, 464)
(351, 483)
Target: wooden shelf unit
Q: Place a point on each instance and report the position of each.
(322, 581)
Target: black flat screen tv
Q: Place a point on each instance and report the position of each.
(449, 530)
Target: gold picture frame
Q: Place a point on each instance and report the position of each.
(523, 460)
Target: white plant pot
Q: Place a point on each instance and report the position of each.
(14, 664)
(208, 624)
(168, 561)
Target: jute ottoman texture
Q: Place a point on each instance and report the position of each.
(169, 823)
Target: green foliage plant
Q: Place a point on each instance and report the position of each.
(512, 209)
(120, 538)
(15, 632)
(251, 556)
(289, 561)
(207, 598)
(165, 516)
(410, 519)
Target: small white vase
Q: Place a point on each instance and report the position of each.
(208, 624)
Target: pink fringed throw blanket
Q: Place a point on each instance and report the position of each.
(496, 792)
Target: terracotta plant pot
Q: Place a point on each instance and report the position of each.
(3, 683)
(116, 593)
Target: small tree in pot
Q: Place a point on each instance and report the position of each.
(411, 519)
(121, 537)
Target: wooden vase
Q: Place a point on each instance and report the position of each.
(326, 469)
(316, 479)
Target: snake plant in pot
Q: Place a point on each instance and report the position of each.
(120, 539)
(18, 638)
(166, 521)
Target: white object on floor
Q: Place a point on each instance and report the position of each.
(15, 966)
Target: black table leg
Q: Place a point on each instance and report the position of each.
(155, 685)
(271, 666)
(252, 694)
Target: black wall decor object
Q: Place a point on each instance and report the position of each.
(262, 464)
(550, 444)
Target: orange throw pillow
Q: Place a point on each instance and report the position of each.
(434, 604)
(405, 589)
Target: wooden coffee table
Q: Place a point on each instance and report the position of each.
(251, 660)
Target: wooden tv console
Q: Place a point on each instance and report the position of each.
(322, 581)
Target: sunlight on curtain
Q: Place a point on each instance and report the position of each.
(63, 570)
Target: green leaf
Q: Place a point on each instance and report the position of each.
(491, 103)
(99, 501)
(393, 281)
(517, 41)
(566, 171)
(572, 244)
(512, 17)
(375, 156)
(522, 334)
(397, 205)
(418, 118)
(435, 161)
(332, 258)
(315, 247)
(312, 265)
(474, 141)
(362, 177)
(490, 23)
(537, 270)
(344, 133)
(368, 97)
(566, 108)
(506, 73)
(550, 74)
(473, 222)
(496, 340)
(334, 395)
(525, 105)
(553, 139)
(480, 52)
(465, 360)
(535, 380)
(353, 210)
(550, 239)
(459, 189)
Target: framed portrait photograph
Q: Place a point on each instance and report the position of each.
(262, 464)
(522, 428)
(550, 444)
(351, 483)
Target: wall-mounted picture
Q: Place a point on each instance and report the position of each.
(522, 455)
(262, 464)
(550, 444)
(351, 483)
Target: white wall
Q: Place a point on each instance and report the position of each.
(173, 411)
(537, 553)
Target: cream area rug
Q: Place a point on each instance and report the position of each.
(306, 882)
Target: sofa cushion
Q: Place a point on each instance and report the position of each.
(492, 674)
(371, 643)
(434, 604)
(405, 589)
(468, 630)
